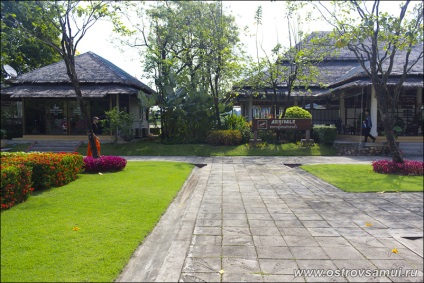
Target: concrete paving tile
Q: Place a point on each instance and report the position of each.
(319, 232)
(235, 231)
(378, 253)
(269, 241)
(239, 251)
(256, 210)
(237, 240)
(235, 223)
(240, 265)
(206, 240)
(332, 241)
(300, 241)
(278, 266)
(315, 224)
(365, 241)
(289, 224)
(200, 277)
(241, 277)
(326, 279)
(197, 264)
(209, 216)
(204, 251)
(258, 216)
(304, 216)
(282, 278)
(216, 231)
(342, 252)
(234, 216)
(264, 231)
(284, 216)
(353, 265)
(265, 252)
(308, 253)
(368, 279)
(295, 232)
(352, 232)
(209, 223)
(261, 223)
(316, 264)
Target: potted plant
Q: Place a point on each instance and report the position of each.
(3, 137)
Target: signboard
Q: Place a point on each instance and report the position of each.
(282, 124)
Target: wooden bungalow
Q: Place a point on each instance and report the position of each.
(45, 101)
(342, 93)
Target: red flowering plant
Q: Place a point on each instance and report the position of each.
(408, 167)
(15, 184)
(104, 164)
(48, 169)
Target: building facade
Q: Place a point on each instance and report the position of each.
(43, 102)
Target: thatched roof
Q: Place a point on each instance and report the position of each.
(342, 66)
(97, 76)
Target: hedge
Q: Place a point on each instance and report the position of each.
(408, 167)
(15, 184)
(48, 169)
(324, 134)
(224, 137)
(104, 164)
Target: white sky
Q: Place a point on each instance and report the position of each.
(99, 38)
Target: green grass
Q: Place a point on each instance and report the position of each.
(152, 148)
(361, 178)
(113, 211)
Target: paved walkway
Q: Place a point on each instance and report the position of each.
(257, 219)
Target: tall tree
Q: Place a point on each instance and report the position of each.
(288, 67)
(71, 19)
(21, 52)
(188, 48)
(377, 39)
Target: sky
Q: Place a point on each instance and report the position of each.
(99, 39)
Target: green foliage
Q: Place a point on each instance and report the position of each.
(48, 169)
(118, 123)
(18, 50)
(191, 56)
(324, 134)
(3, 134)
(235, 122)
(15, 184)
(224, 137)
(297, 112)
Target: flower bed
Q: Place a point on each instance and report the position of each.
(48, 169)
(104, 164)
(412, 168)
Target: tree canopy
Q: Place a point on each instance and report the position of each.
(18, 50)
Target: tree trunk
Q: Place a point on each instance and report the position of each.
(387, 114)
(70, 66)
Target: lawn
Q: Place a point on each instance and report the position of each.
(154, 148)
(361, 178)
(88, 229)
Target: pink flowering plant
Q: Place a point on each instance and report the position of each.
(104, 164)
(409, 167)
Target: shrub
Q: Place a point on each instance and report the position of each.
(297, 112)
(104, 164)
(325, 134)
(236, 122)
(412, 168)
(48, 169)
(15, 184)
(224, 137)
